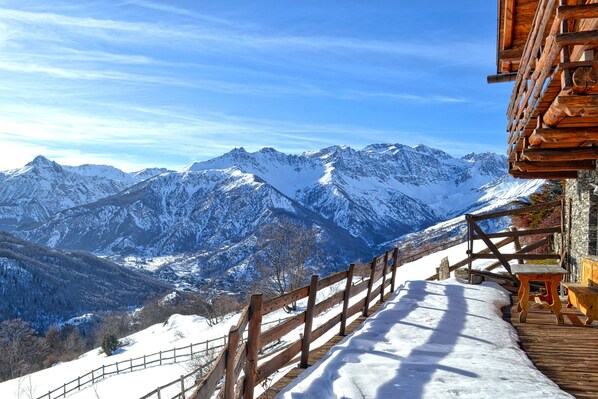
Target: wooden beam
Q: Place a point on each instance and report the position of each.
(589, 38)
(563, 166)
(563, 135)
(577, 12)
(508, 10)
(501, 78)
(550, 155)
(543, 175)
(565, 105)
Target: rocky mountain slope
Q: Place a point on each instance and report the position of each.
(43, 285)
(42, 187)
(204, 221)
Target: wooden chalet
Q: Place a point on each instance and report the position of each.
(548, 49)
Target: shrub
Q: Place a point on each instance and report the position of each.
(109, 343)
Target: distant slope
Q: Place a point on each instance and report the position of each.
(42, 187)
(43, 285)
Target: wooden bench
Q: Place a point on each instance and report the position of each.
(584, 298)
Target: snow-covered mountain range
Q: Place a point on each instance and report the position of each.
(205, 220)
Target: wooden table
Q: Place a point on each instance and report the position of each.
(551, 275)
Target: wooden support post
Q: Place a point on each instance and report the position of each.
(395, 265)
(253, 344)
(384, 269)
(309, 318)
(366, 306)
(231, 353)
(182, 387)
(158, 393)
(469, 219)
(517, 243)
(160, 358)
(144, 363)
(131, 360)
(347, 298)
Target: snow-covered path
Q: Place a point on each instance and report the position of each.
(430, 340)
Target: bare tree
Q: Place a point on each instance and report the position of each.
(21, 350)
(285, 254)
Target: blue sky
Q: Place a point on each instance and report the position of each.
(165, 83)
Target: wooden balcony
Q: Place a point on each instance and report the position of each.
(553, 110)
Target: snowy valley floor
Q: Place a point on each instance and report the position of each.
(430, 340)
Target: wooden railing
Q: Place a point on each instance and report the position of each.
(159, 358)
(238, 368)
(475, 232)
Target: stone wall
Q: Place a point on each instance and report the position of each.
(584, 214)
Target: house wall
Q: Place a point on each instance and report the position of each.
(584, 219)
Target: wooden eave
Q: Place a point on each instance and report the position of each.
(553, 112)
(514, 23)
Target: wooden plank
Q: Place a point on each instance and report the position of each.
(512, 212)
(231, 354)
(518, 256)
(207, 387)
(562, 166)
(329, 302)
(281, 330)
(325, 327)
(521, 233)
(560, 155)
(356, 307)
(543, 175)
(588, 38)
(266, 369)
(577, 11)
(332, 279)
(288, 298)
(509, 7)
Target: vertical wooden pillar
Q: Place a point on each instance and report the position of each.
(384, 269)
(347, 298)
(231, 353)
(395, 265)
(366, 306)
(517, 243)
(469, 246)
(309, 318)
(253, 344)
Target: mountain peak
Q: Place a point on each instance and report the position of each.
(41, 162)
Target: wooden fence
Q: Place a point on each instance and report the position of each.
(238, 368)
(521, 254)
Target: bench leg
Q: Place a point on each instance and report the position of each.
(556, 301)
(524, 298)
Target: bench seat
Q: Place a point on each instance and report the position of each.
(583, 298)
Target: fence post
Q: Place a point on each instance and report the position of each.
(158, 392)
(384, 276)
(103, 372)
(253, 344)
(92, 378)
(191, 349)
(395, 265)
(117, 370)
(346, 298)
(79, 383)
(309, 318)
(231, 353)
(131, 360)
(182, 387)
(366, 306)
(64, 389)
(160, 358)
(49, 395)
(174, 350)
(144, 363)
